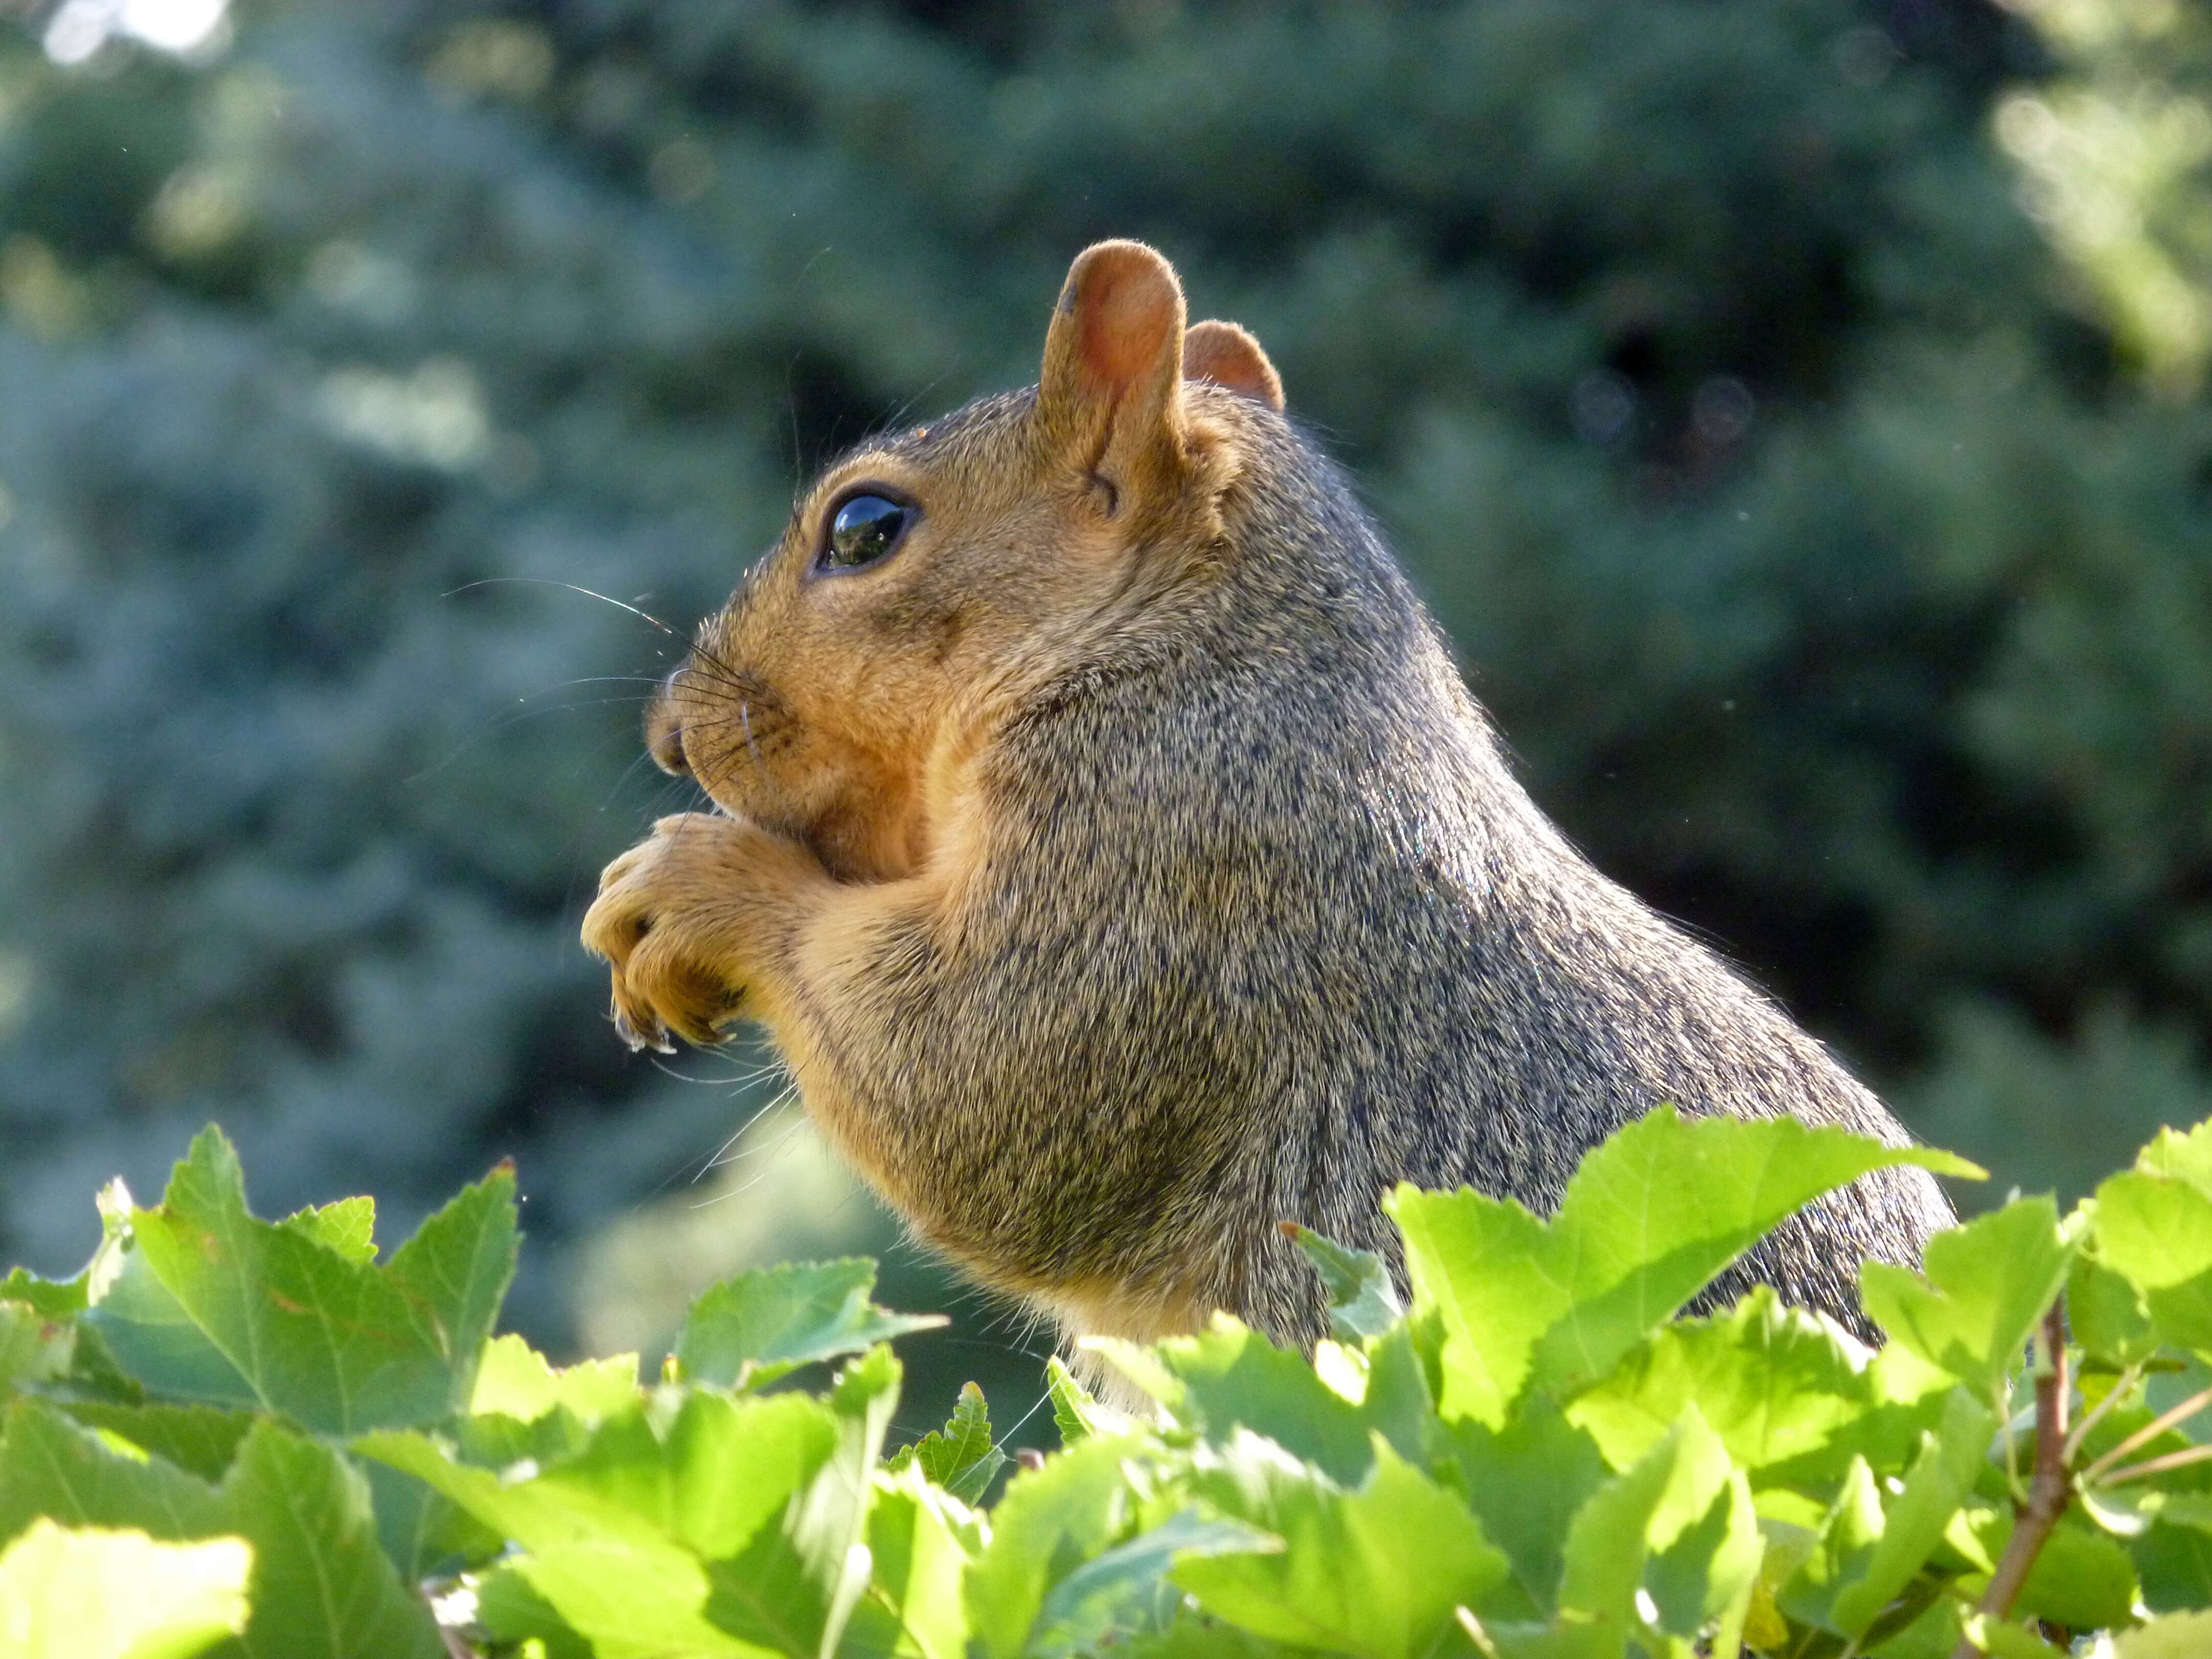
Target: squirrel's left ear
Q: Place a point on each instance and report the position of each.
(1227, 355)
(1109, 396)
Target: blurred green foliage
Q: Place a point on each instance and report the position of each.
(1829, 536)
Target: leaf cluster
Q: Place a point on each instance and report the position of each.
(241, 1437)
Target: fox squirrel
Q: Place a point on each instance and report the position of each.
(1113, 851)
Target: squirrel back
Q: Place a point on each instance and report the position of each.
(1126, 868)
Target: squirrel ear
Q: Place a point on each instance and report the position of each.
(1227, 355)
(1111, 386)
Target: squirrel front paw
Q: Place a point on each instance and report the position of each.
(687, 919)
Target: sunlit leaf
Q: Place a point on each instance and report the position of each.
(208, 1303)
(960, 1457)
(98, 1594)
(756, 1327)
(1378, 1572)
(1985, 1288)
(514, 1380)
(1049, 1523)
(1362, 1300)
(1647, 1220)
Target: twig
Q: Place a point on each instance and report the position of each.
(2174, 1460)
(2126, 1384)
(2149, 1431)
(2049, 1491)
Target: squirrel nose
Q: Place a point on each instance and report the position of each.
(663, 732)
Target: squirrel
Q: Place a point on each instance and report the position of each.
(1110, 846)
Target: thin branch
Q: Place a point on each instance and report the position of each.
(2049, 1491)
(2125, 1386)
(2149, 1431)
(2174, 1460)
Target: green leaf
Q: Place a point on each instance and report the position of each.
(1673, 1542)
(919, 1542)
(458, 1265)
(2081, 1579)
(1362, 1300)
(797, 1584)
(751, 1329)
(1379, 1572)
(148, 1335)
(514, 1380)
(751, 1507)
(2105, 1313)
(2177, 1636)
(1398, 1403)
(1848, 1532)
(630, 1598)
(1647, 1221)
(725, 1468)
(97, 1594)
(426, 1535)
(960, 1457)
(51, 1466)
(1047, 1523)
(1781, 1387)
(349, 1226)
(208, 1303)
(510, 1610)
(1124, 1593)
(322, 1584)
(2175, 1565)
(1913, 1523)
(2154, 1229)
(200, 1439)
(1524, 1482)
(51, 1298)
(33, 1348)
(1986, 1286)
(1230, 1377)
(1077, 1414)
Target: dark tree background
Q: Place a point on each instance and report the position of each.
(1791, 406)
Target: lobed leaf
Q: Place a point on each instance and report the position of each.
(1647, 1220)
(1074, 1412)
(347, 1226)
(1047, 1523)
(2152, 1227)
(1124, 1593)
(514, 1380)
(1230, 1377)
(1913, 1523)
(321, 1582)
(53, 1468)
(750, 1330)
(50, 1299)
(1984, 1290)
(199, 1300)
(960, 1457)
(1670, 1544)
(1379, 1572)
(1363, 1301)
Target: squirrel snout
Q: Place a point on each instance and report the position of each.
(664, 732)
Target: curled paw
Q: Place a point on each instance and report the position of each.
(670, 922)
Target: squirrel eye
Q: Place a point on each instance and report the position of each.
(864, 529)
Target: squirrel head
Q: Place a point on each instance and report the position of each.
(929, 576)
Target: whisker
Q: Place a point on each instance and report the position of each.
(550, 582)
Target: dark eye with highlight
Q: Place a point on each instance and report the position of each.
(864, 529)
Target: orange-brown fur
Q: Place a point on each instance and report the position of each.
(1120, 867)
